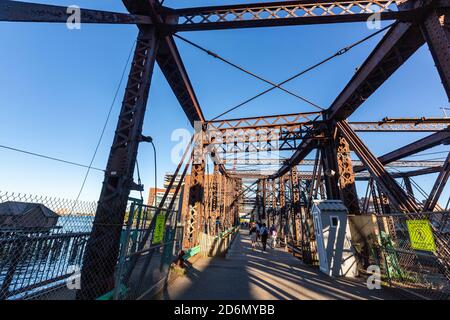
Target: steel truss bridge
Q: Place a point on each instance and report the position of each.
(280, 188)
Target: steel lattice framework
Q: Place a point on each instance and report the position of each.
(281, 189)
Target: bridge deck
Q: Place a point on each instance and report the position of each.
(273, 275)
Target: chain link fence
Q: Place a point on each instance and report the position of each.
(43, 241)
(412, 251)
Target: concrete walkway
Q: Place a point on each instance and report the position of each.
(247, 274)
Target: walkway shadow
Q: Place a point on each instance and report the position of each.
(256, 275)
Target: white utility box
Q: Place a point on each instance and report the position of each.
(336, 256)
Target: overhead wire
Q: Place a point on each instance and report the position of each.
(338, 53)
(40, 155)
(215, 55)
(105, 123)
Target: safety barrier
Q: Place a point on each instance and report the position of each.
(217, 246)
(411, 250)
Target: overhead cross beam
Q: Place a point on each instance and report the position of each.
(270, 14)
(169, 60)
(438, 138)
(17, 11)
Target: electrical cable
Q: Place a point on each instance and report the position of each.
(105, 124)
(338, 53)
(49, 157)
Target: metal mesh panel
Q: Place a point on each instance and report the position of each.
(424, 273)
(43, 241)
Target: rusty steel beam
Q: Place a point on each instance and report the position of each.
(17, 11)
(399, 43)
(310, 162)
(406, 174)
(438, 138)
(389, 186)
(102, 249)
(286, 13)
(171, 64)
(363, 176)
(438, 187)
(302, 151)
(169, 59)
(280, 120)
(402, 125)
(436, 30)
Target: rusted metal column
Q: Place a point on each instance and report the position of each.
(435, 28)
(330, 166)
(238, 197)
(263, 199)
(214, 200)
(438, 187)
(274, 201)
(196, 194)
(195, 218)
(258, 200)
(100, 258)
(338, 168)
(295, 208)
(385, 181)
(282, 211)
(346, 176)
(408, 186)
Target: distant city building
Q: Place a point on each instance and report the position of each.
(159, 193)
(24, 215)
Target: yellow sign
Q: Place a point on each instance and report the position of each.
(421, 235)
(158, 233)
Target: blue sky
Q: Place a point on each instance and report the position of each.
(56, 86)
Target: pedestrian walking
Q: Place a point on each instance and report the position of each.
(258, 230)
(274, 235)
(253, 234)
(264, 232)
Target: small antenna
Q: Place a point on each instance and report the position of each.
(444, 110)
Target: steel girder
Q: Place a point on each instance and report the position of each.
(441, 137)
(309, 175)
(286, 13)
(389, 186)
(310, 162)
(296, 218)
(97, 274)
(194, 220)
(263, 122)
(402, 125)
(400, 42)
(438, 186)
(436, 30)
(346, 176)
(18, 11)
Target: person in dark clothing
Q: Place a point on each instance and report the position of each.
(264, 232)
(252, 233)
